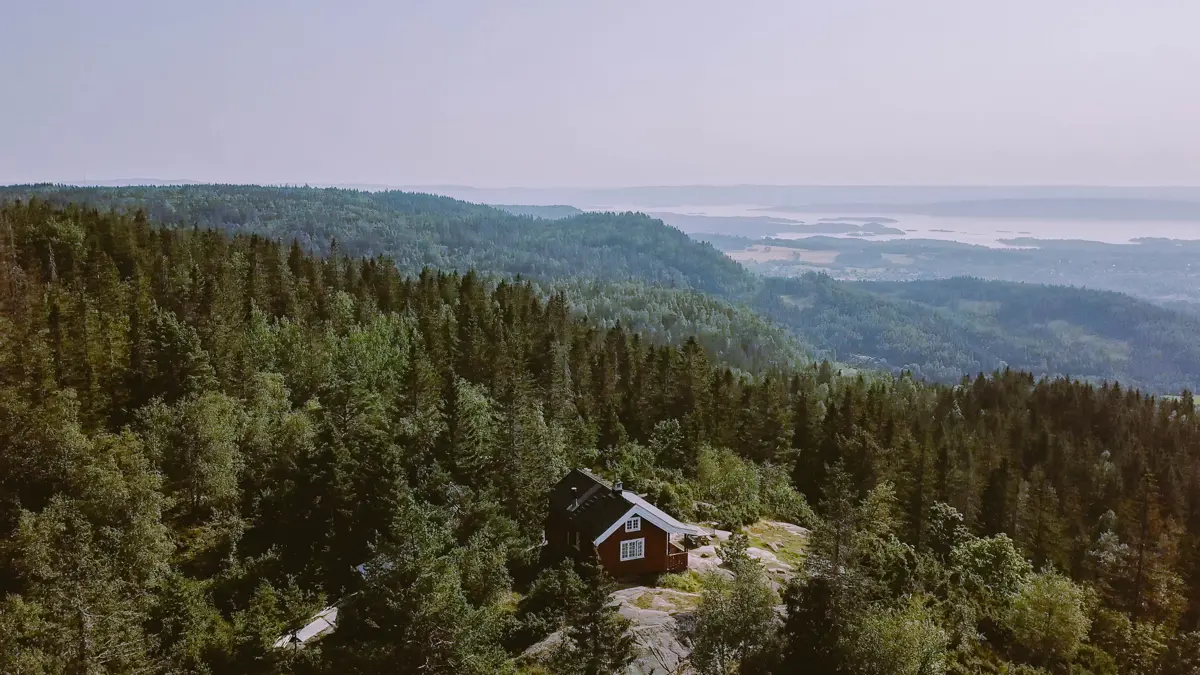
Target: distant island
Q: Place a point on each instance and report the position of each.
(1086, 208)
(769, 226)
(859, 219)
(664, 197)
(828, 219)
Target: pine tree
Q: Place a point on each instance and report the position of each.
(995, 506)
(1153, 589)
(1039, 529)
(473, 444)
(596, 638)
(814, 629)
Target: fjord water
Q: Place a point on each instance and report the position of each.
(971, 230)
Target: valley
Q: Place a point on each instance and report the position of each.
(673, 287)
(245, 408)
(573, 338)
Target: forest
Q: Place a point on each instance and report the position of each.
(1155, 269)
(864, 326)
(206, 436)
(944, 328)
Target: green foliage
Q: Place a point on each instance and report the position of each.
(1183, 655)
(929, 329)
(1048, 619)
(688, 582)
(419, 230)
(946, 529)
(990, 569)
(1136, 648)
(854, 544)
(416, 607)
(730, 485)
(733, 552)
(780, 499)
(549, 601)
(724, 325)
(596, 638)
(736, 616)
(191, 631)
(196, 442)
(736, 492)
(203, 437)
(815, 633)
(87, 558)
(903, 641)
(633, 269)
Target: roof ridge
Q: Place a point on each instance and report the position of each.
(639, 501)
(596, 478)
(585, 501)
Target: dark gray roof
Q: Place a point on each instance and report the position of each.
(594, 506)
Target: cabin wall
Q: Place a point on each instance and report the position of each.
(560, 538)
(656, 551)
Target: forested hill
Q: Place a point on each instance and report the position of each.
(205, 439)
(943, 328)
(559, 211)
(977, 327)
(731, 332)
(418, 230)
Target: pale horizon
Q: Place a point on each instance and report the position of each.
(543, 94)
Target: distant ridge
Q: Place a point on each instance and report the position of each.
(552, 212)
(1085, 208)
(131, 182)
(764, 195)
(837, 197)
(939, 330)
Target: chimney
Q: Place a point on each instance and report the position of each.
(574, 497)
(617, 489)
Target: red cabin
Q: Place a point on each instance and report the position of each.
(630, 535)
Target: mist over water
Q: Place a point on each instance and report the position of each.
(970, 230)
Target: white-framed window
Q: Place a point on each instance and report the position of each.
(633, 549)
(634, 524)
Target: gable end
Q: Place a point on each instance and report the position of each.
(648, 520)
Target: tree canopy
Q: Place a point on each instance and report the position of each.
(206, 438)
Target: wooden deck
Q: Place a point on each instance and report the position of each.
(677, 559)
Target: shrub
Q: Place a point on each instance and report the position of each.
(688, 582)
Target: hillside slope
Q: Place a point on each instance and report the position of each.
(207, 439)
(552, 212)
(944, 328)
(419, 230)
(653, 276)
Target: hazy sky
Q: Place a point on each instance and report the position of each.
(602, 93)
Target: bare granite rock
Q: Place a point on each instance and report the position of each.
(657, 615)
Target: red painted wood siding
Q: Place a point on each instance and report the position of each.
(655, 548)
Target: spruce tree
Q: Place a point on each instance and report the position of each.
(596, 638)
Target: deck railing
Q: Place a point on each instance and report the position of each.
(677, 559)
